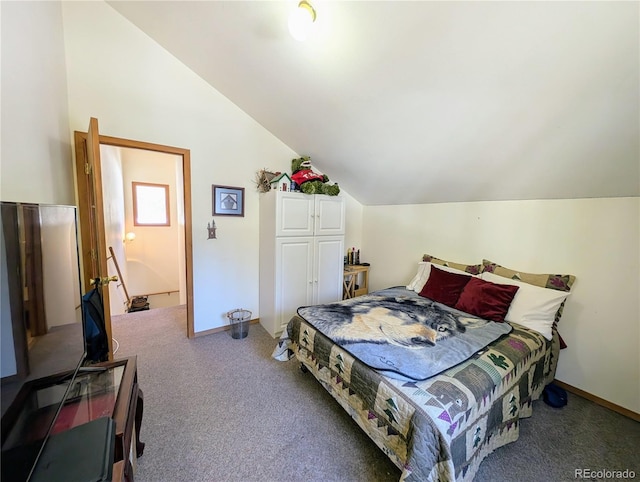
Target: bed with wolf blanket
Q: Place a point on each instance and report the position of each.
(436, 423)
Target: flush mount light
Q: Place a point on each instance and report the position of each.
(301, 20)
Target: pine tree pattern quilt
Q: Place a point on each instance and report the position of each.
(441, 428)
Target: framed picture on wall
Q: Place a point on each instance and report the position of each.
(228, 201)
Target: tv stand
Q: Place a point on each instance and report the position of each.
(110, 390)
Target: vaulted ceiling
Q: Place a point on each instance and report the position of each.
(418, 101)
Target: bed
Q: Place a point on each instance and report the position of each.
(436, 424)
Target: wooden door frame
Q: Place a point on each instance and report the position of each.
(81, 154)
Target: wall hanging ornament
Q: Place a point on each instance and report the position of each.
(211, 229)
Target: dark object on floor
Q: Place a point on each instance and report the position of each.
(554, 396)
(138, 303)
(94, 328)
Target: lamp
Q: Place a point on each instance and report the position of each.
(130, 236)
(301, 20)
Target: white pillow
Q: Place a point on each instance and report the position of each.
(422, 266)
(424, 270)
(532, 306)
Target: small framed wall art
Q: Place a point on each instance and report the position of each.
(228, 201)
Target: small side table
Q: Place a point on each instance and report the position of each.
(355, 275)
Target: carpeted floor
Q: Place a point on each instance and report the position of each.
(221, 409)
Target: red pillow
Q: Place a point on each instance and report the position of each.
(487, 300)
(444, 287)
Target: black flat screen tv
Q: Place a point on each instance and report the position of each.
(42, 329)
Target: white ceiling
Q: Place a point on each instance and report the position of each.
(419, 102)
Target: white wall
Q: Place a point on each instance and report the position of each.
(35, 152)
(139, 91)
(597, 240)
(353, 228)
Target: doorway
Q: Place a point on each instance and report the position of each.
(144, 224)
(184, 189)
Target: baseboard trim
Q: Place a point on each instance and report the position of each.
(600, 401)
(221, 328)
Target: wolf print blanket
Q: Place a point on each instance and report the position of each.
(401, 333)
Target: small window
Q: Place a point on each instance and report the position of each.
(150, 204)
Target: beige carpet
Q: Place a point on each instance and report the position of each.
(221, 409)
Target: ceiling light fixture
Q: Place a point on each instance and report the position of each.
(301, 20)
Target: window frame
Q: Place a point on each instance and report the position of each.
(165, 188)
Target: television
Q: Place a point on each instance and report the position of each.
(42, 330)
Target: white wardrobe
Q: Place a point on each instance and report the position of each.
(301, 254)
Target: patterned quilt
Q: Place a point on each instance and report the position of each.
(439, 429)
(401, 333)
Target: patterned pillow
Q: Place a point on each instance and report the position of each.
(467, 268)
(560, 282)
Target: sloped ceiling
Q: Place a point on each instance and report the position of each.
(424, 102)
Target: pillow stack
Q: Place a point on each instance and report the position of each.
(469, 293)
(424, 270)
(494, 292)
(444, 286)
(540, 299)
